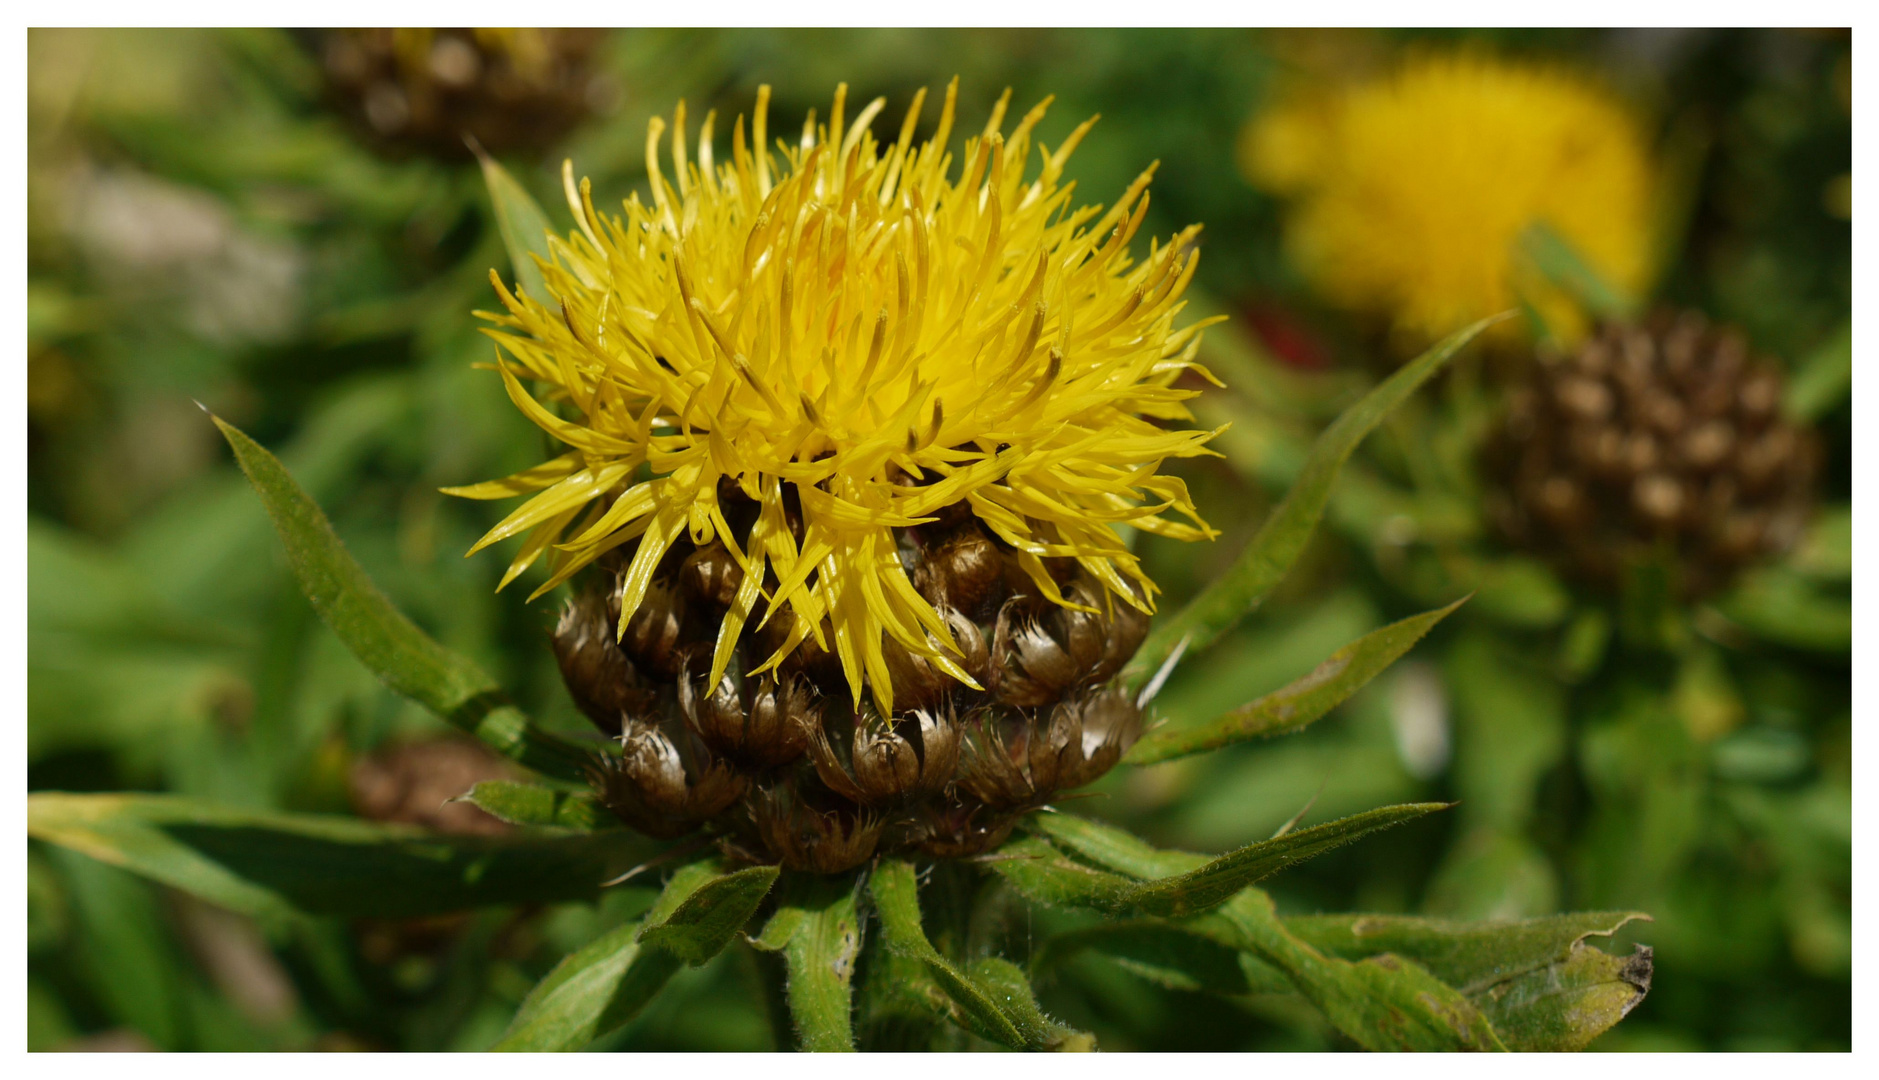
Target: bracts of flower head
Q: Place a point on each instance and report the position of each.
(1018, 758)
(664, 786)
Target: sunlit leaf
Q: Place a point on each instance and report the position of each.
(274, 865)
(604, 984)
(520, 803)
(1272, 551)
(1294, 706)
(406, 658)
(705, 923)
(523, 226)
(817, 930)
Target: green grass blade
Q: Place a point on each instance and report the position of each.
(1562, 264)
(521, 803)
(404, 657)
(1176, 887)
(1298, 704)
(818, 931)
(274, 865)
(705, 923)
(896, 896)
(1824, 379)
(1279, 542)
(604, 984)
(1166, 955)
(523, 226)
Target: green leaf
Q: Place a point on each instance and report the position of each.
(1012, 991)
(1214, 882)
(1782, 606)
(896, 897)
(1563, 265)
(521, 803)
(1538, 981)
(705, 923)
(1279, 542)
(524, 227)
(1166, 955)
(1383, 1002)
(274, 865)
(605, 983)
(819, 934)
(1294, 706)
(1824, 379)
(387, 642)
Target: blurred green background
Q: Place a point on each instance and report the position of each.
(206, 226)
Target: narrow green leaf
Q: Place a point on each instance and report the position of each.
(705, 923)
(521, 803)
(524, 227)
(1383, 1002)
(605, 983)
(1279, 542)
(1214, 882)
(274, 865)
(1562, 264)
(1298, 704)
(1166, 955)
(1824, 379)
(817, 930)
(896, 896)
(380, 635)
(1041, 872)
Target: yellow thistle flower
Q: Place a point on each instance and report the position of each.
(861, 337)
(1409, 192)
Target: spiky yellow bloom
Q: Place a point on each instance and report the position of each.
(855, 338)
(1410, 192)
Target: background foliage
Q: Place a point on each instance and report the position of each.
(201, 230)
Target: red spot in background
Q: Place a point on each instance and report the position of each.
(1285, 335)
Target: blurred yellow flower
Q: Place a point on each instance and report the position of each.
(1408, 193)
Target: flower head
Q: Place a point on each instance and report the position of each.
(1410, 192)
(804, 353)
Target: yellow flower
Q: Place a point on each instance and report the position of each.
(1409, 192)
(854, 338)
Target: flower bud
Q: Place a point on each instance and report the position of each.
(602, 681)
